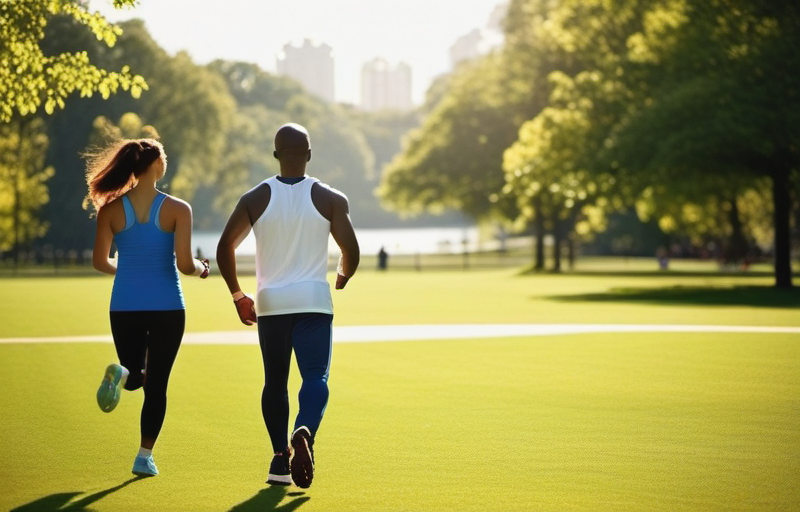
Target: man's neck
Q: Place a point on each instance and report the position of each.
(291, 181)
(292, 172)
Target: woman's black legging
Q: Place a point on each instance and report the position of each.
(149, 341)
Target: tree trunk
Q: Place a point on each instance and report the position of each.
(539, 228)
(571, 252)
(737, 250)
(571, 237)
(781, 201)
(556, 244)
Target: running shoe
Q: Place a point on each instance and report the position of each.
(111, 387)
(144, 466)
(302, 462)
(279, 469)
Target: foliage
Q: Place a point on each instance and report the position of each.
(30, 78)
(129, 126)
(246, 161)
(189, 105)
(23, 177)
(719, 82)
(454, 159)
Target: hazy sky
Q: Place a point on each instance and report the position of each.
(419, 32)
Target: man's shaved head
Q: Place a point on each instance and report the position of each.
(292, 136)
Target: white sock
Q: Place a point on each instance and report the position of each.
(144, 452)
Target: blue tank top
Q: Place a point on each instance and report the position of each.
(147, 276)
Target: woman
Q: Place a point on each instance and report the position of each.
(152, 232)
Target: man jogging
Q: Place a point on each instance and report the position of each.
(291, 216)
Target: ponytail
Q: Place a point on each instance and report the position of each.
(113, 171)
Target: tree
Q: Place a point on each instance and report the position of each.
(551, 170)
(698, 102)
(454, 160)
(129, 126)
(188, 105)
(721, 82)
(568, 52)
(246, 161)
(250, 85)
(30, 78)
(23, 176)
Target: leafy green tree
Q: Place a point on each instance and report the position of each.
(250, 85)
(550, 168)
(569, 54)
(696, 101)
(30, 78)
(246, 161)
(23, 177)
(37, 78)
(188, 105)
(720, 81)
(454, 160)
(728, 211)
(129, 126)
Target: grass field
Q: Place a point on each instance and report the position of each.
(652, 421)
(693, 294)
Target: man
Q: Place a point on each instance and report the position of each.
(291, 216)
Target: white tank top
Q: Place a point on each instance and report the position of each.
(292, 252)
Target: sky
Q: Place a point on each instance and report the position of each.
(418, 32)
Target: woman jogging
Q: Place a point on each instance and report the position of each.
(152, 232)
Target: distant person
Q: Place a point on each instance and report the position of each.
(383, 259)
(662, 255)
(291, 215)
(152, 231)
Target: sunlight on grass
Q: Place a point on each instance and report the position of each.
(79, 305)
(585, 422)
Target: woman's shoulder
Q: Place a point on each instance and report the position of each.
(111, 207)
(176, 204)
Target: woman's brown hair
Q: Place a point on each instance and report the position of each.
(113, 171)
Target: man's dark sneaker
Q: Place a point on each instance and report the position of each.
(279, 469)
(302, 462)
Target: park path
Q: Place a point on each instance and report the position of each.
(377, 333)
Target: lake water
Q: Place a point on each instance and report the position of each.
(396, 241)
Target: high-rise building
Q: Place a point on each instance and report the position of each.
(479, 41)
(310, 64)
(384, 86)
(467, 47)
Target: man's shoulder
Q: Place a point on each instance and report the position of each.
(257, 192)
(328, 191)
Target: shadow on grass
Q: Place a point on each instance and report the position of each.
(663, 274)
(752, 296)
(62, 501)
(270, 498)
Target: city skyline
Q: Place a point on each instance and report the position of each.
(416, 32)
(312, 65)
(386, 85)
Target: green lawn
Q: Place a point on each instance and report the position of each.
(79, 305)
(581, 422)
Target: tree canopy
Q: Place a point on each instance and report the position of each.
(680, 108)
(31, 78)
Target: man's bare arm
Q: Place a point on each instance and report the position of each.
(236, 230)
(345, 237)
